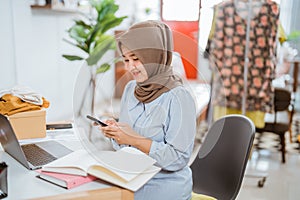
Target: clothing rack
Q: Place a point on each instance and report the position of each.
(262, 176)
(244, 97)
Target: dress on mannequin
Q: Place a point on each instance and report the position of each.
(227, 56)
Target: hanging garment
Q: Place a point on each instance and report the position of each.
(257, 117)
(227, 54)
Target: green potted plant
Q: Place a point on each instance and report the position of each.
(90, 35)
(294, 39)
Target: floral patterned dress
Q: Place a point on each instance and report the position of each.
(228, 54)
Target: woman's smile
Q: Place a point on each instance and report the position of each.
(135, 73)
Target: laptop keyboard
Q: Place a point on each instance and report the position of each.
(36, 155)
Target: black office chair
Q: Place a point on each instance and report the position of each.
(281, 121)
(219, 168)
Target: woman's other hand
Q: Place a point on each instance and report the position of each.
(122, 133)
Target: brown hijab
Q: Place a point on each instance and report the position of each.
(152, 42)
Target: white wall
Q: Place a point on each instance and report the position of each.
(31, 54)
(289, 15)
(7, 53)
(52, 74)
(32, 45)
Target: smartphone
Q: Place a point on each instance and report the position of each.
(96, 120)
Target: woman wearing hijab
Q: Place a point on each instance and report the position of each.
(158, 114)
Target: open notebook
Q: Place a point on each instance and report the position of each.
(128, 167)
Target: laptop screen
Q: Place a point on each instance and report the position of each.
(10, 142)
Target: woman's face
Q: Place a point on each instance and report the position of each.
(134, 65)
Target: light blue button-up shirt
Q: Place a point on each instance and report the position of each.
(170, 121)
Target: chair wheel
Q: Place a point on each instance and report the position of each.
(261, 182)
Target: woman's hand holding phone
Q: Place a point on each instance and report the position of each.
(97, 121)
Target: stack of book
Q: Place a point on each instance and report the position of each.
(128, 168)
(67, 181)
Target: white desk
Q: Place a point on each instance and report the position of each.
(22, 183)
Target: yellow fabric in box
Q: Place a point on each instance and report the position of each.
(10, 105)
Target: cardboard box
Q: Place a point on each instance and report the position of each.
(31, 124)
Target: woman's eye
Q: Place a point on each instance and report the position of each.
(126, 60)
(135, 59)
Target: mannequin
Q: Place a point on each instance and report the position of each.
(231, 56)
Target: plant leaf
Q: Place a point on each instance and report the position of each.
(294, 35)
(96, 31)
(88, 33)
(82, 23)
(104, 8)
(99, 51)
(109, 9)
(103, 68)
(72, 57)
(113, 22)
(81, 46)
(102, 38)
(79, 33)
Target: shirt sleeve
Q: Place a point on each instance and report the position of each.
(126, 91)
(174, 152)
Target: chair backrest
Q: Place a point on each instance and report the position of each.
(219, 169)
(282, 99)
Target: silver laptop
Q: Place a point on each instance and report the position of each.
(32, 156)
